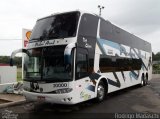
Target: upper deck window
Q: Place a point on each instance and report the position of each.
(88, 25)
(105, 29)
(57, 26)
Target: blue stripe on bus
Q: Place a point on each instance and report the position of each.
(114, 83)
(134, 75)
(91, 88)
(109, 43)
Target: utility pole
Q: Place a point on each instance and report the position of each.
(100, 9)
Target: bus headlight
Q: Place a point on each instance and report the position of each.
(65, 90)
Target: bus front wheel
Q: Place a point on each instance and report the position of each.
(101, 92)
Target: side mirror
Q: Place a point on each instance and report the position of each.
(68, 56)
(11, 62)
(15, 52)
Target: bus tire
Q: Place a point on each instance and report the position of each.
(142, 81)
(146, 78)
(101, 92)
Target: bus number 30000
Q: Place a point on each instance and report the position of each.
(60, 85)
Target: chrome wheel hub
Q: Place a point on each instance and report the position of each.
(142, 82)
(100, 92)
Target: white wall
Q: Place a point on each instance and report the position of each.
(8, 74)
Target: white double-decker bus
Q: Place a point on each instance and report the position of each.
(76, 56)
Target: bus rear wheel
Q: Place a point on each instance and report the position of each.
(146, 78)
(142, 81)
(101, 92)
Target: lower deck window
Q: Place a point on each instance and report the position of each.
(113, 64)
(82, 65)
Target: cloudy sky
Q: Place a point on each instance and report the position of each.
(140, 17)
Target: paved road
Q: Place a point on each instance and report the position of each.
(132, 100)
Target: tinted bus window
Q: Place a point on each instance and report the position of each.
(82, 67)
(105, 29)
(88, 25)
(113, 64)
(56, 26)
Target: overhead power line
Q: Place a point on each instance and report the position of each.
(9, 39)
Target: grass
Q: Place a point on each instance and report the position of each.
(19, 74)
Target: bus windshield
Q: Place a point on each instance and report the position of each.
(56, 26)
(47, 64)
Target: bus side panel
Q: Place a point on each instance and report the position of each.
(109, 52)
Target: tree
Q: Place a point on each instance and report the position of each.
(6, 60)
(156, 57)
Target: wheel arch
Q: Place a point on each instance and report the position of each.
(105, 81)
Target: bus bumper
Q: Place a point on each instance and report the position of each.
(66, 98)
